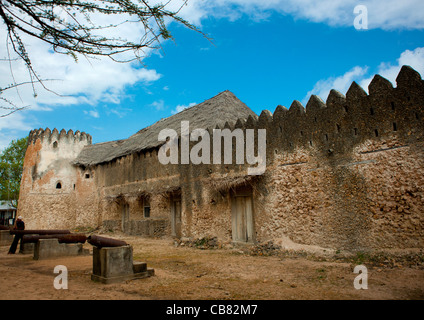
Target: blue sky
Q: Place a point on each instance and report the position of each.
(266, 52)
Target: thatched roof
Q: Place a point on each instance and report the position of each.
(225, 107)
(226, 183)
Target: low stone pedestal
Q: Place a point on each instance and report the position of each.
(5, 238)
(115, 264)
(51, 248)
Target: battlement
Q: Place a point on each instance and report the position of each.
(343, 121)
(56, 136)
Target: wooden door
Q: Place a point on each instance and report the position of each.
(242, 219)
(176, 217)
(125, 209)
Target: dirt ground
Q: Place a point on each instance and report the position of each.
(189, 273)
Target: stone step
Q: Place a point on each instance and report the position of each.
(139, 267)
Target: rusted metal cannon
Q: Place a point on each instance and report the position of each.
(73, 238)
(39, 232)
(62, 238)
(101, 242)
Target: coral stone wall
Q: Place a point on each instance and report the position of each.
(49, 196)
(346, 173)
(374, 200)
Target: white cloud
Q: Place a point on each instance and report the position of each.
(17, 123)
(119, 111)
(92, 113)
(389, 14)
(414, 58)
(180, 108)
(158, 105)
(341, 83)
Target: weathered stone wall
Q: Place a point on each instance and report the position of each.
(49, 195)
(344, 174)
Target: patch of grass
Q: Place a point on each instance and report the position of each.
(322, 273)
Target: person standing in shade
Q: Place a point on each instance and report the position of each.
(19, 225)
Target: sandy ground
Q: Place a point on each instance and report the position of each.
(189, 273)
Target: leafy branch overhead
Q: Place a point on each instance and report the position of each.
(88, 27)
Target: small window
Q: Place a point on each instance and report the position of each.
(87, 176)
(394, 126)
(146, 209)
(147, 212)
(58, 185)
(55, 144)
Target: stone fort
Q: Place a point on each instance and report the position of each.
(345, 174)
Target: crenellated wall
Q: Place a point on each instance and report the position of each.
(346, 173)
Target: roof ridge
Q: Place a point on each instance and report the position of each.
(185, 110)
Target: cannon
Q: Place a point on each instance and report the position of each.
(62, 238)
(101, 242)
(39, 232)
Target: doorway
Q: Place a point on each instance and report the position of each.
(176, 216)
(243, 229)
(125, 214)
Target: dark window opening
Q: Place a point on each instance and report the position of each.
(87, 176)
(372, 111)
(355, 131)
(393, 105)
(338, 128)
(147, 212)
(376, 132)
(146, 207)
(55, 144)
(394, 126)
(58, 185)
(301, 133)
